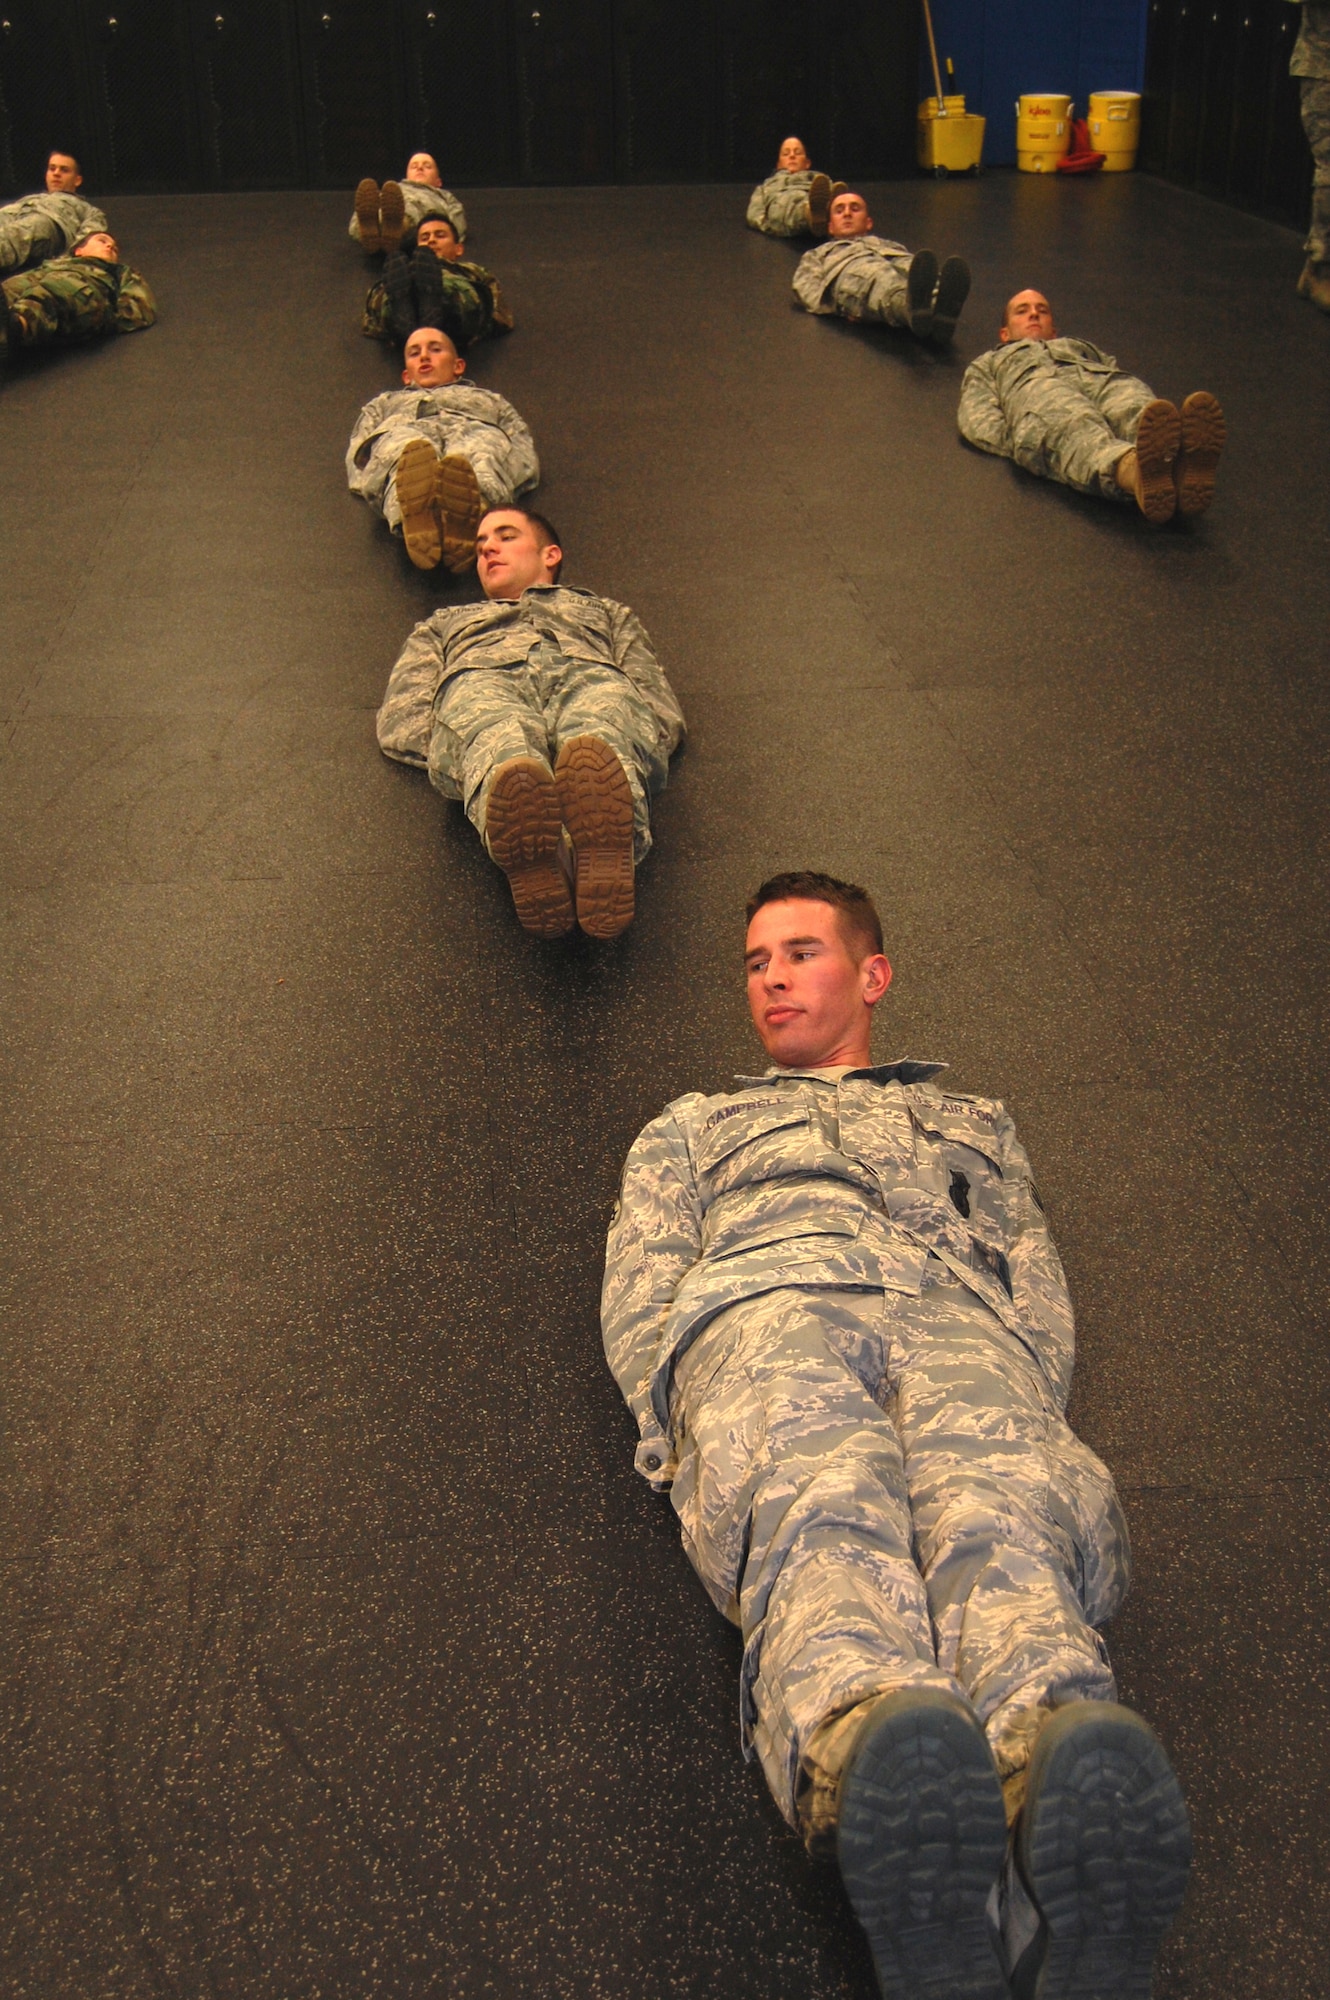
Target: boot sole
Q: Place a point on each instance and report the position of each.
(392, 216)
(1203, 436)
(1104, 1845)
(921, 1835)
(1158, 437)
(367, 216)
(522, 832)
(819, 204)
(417, 479)
(953, 289)
(460, 508)
(597, 810)
(920, 285)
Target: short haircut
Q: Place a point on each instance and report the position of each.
(63, 153)
(859, 920)
(547, 535)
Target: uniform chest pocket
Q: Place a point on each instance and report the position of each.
(754, 1141)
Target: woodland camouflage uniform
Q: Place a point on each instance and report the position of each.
(834, 1307)
(74, 298)
(1060, 408)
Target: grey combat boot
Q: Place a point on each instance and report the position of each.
(920, 1834)
(1101, 1848)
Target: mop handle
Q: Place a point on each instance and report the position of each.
(932, 50)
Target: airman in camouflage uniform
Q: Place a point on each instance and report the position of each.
(794, 201)
(836, 1312)
(1063, 410)
(433, 456)
(1311, 63)
(546, 713)
(865, 277)
(435, 287)
(383, 216)
(40, 226)
(75, 298)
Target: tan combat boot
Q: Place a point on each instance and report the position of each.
(819, 204)
(416, 480)
(597, 810)
(392, 216)
(1203, 435)
(1314, 284)
(524, 835)
(1147, 472)
(460, 508)
(367, 216)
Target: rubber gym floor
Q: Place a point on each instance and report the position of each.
(344, 1653)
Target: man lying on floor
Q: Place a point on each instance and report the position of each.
(834, 1307)
(794, 201)
(40, 226)
(546, 713)
(75, 298)
(433, 456)
(1063, 410)
(865, 277)
(385, 215)
(435, 286)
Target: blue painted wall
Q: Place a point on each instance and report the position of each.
(1002, 48)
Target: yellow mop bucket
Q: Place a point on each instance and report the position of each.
(951, 139)
(1043, 132)
(1115, 128)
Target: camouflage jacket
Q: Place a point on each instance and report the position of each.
(418, 201)
(503, 633)
(77, 298)
(778, 183)
(72, 216)
(993, 378)
(476, 300)
(1311, 51)
(383, 414)
(802, 1178)
(818, 269)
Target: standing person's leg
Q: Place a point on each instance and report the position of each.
(1024, 1551)
(489, 748)
(791, 1497)
(1314, 283)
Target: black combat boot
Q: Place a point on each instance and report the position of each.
(427, 278)
(402, 318)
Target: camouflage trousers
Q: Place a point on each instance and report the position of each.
(484, 446)
(1316, 124)
(488, 714)
(880, 1490)
(1075, 427)
(786, 213)
(28, 239)
(64, 309)
(467, 312)
(874, 290)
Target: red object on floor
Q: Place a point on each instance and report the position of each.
(1080, 157)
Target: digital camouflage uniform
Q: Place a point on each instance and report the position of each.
(859, 277)
(835, 1310)
(44, 225)
(1060, 408)
(471, 423)
(473, 307)
(1311, 62)
(74, 298)
(420, 201)
(477, 684)
(779, 207)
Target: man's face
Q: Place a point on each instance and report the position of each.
(62, 174)
(432, 362)
(99, 245)
(509, 556)
(1029, 317)
(440, 237)
(810, 993)
(849, 216)
(792, 157)
(421, 167)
